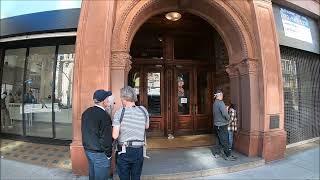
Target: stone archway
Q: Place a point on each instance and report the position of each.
(105, 32)
(232, 27)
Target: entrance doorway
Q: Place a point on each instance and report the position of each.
(173, 73)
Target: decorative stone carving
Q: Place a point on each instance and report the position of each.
(121, 60)
(232, 71)
(124, 30)
(248, 66)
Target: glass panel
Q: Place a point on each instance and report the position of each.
(37, 99)
(183, 92)
(202, 92)
(134, 82)
(147, 44)
(191, 48)
(12, 84)
(154, 98)
(63, 92)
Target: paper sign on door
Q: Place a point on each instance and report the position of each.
(184, 100)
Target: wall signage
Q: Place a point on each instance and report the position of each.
(295, 26)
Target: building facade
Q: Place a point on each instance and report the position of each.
(262, 53)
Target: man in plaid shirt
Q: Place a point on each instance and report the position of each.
(233, 123)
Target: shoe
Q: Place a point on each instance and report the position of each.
(216, 155)
(230, 158)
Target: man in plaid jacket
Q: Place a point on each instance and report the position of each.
(233, 123)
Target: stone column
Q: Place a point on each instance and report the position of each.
(247, 138)
(235, 90)
(262, 131)
(120, 67)
(92, 68)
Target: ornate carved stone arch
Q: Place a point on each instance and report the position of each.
(234, 28)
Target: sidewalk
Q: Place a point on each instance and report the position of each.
(300, 163)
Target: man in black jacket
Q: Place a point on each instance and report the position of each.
(97, 136)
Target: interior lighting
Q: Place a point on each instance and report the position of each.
(173, 16)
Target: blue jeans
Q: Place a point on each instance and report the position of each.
(223, 136)
(99, 165)
(230, 138)
(129, 164)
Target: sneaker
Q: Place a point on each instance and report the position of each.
(230, 158)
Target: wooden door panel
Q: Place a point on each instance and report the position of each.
(202, 123)
(183, 92)
(184, 123)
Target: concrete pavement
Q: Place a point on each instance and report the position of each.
(194, 163)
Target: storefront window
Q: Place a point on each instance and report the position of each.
(63, 92)
(37, 89)
(38, 92)
(11, 91)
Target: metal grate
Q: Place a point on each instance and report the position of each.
(301, 84)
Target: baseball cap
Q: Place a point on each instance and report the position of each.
(101, 95)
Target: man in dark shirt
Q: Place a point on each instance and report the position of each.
(97, 136)
(221, 122)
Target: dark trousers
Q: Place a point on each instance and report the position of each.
(223, 137)
(129, 164)
(99, 165)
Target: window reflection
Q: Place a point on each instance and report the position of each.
(183, 93)
(63, 91)
(37, 99)
(134, 82)
(31, 97)
(202, 95)
(12, 86)
(154, 100)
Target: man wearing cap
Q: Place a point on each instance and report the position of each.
(97, 136)
(221, 122)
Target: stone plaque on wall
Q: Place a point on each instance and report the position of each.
(274, 121)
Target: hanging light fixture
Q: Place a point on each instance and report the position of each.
(173, 16)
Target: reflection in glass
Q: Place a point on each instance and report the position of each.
(12, 84)
(63, 92)
(37, 99)
(134, 82)
(183, 93)
(202, 89)
(154, 98)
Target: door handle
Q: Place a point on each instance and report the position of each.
(194, 108)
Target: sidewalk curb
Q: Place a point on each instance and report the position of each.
(206, 172)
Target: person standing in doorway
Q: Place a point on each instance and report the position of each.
(221, 122)
(97, 136)
(129, 128)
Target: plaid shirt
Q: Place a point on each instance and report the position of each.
(233, 120)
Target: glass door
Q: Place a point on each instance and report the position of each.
(184, 100)
(203, 101)
(147, 81)
(38, 93)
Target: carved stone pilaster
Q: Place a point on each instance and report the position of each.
(248, 66)
(232, 71)
(121, 60)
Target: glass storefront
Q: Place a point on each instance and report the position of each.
(63, 92)
(36, 91)
(12, 91)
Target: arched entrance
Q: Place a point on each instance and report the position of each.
(105, 34)
(175, 67)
